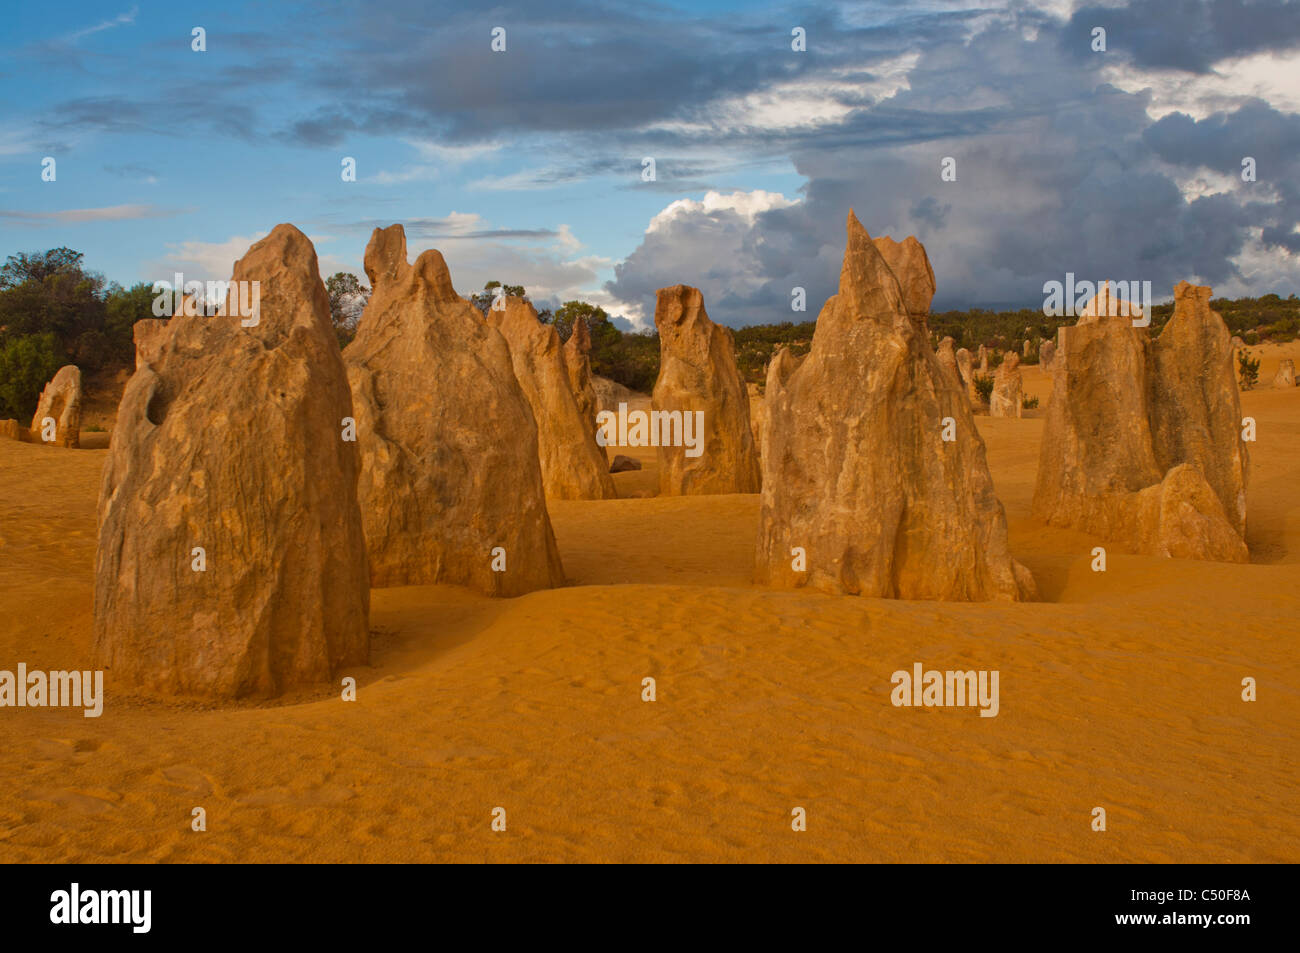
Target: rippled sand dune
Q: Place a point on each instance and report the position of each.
(1120, 690)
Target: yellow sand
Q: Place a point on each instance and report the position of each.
(1120, 690)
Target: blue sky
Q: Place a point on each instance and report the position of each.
(526, 165)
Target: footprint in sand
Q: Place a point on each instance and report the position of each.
(189, 778)
(83, 801)
(64, 749)
(322, 796)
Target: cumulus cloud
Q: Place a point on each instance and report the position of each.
(1057, 171)
(1124, 163)
(712, 244)
(202, 261)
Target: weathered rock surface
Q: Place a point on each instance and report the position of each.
(623, 463)
(697, 372)
(1046, 354)
(573, 465)
(1195, 406)
(231, 442)
(577, 361)
(1008, 388)
(1285, 376)
(451, 479)
(60, 402)
(952, 364)
(946, 352)
(857, 476)
(757, 416)
(609, 394)
(966, 370)
(148, 334)
(910, 265)
(1141, 442)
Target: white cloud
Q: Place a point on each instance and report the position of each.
(435, 158)
(525, 180)
(108, 213)
(452, 155)
(119, 20)
(745, 204)
(14, 143)
(215, 261)
(203, 261)
(706, 243)
(412, 173)
(1269, 76)
(1263, 269)
(567, 240)
(799, 105)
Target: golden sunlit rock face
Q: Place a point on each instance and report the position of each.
(1142, 441)
(451, 484)
(874, 478)
(231, 560)
(573, 466)
(698, 381)
(58, 412)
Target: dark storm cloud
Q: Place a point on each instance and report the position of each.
(1221, 142)
(1059, 174)
(580, 66)
(1188, 35)
(1056, 171)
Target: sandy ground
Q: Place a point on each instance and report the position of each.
(1119, 690)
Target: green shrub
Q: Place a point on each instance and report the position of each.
(26, 365)
(984, 386)
(1028, 403)
(1249, 370)
(93, 350)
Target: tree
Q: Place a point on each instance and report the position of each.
(123, 307)
(348, 298)
(50, 292)
(483, 299)
(38, 266)
(570, 311)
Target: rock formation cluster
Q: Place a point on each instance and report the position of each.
(1142, 437)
